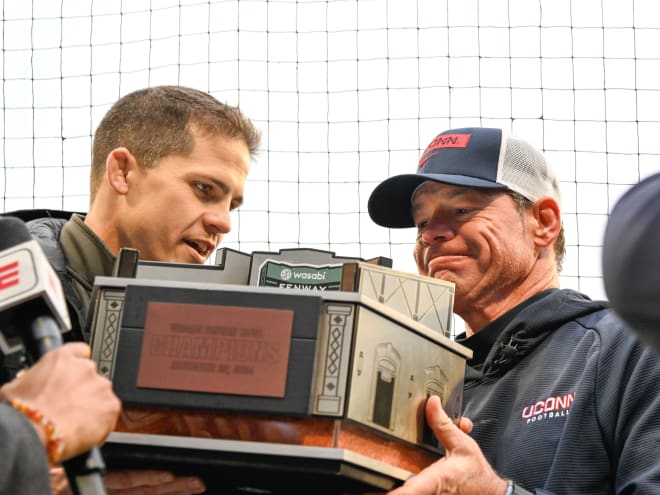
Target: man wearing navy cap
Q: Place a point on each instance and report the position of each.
(560, 399)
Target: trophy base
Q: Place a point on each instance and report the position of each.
(329, 433)
(244, 467)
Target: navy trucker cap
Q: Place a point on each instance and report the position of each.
(479, 157)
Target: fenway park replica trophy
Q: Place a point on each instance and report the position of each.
(272, 372)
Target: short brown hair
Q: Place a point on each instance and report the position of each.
(155, 122)
(522, 203)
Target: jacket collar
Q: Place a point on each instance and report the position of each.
(515, 334)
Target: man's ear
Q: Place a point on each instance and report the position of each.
(548, 221)
(119, 164)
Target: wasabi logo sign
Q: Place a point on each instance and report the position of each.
(306, 277)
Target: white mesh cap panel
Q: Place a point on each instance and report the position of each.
(524, 169)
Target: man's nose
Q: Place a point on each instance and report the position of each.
(218, 220)
(437, 231)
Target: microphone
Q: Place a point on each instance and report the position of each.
(29, 290)
(33, 313)
(631, 259)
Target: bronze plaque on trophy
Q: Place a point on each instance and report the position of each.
(216, 349)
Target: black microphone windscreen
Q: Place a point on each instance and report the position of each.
(13, 231)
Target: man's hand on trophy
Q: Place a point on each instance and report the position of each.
(462, 470)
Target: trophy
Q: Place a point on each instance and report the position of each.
(273, 371)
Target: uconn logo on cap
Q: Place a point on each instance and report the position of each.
(444, 141)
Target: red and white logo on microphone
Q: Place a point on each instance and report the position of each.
(9, 275)
(25, 274)
(17, 273)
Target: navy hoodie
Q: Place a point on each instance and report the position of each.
(564, 399)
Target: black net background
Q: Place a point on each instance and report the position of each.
(346, 93)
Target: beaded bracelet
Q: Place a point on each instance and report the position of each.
(54, 444)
